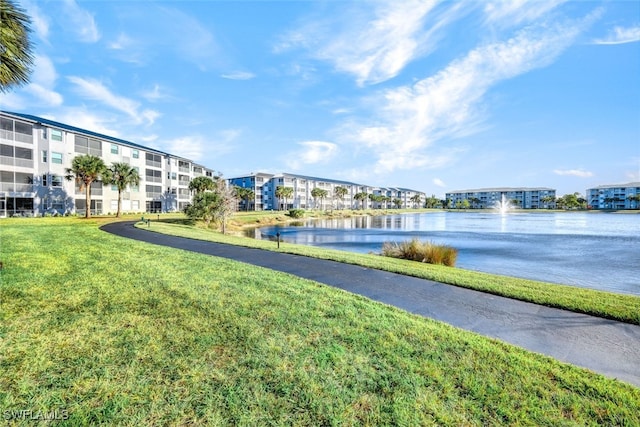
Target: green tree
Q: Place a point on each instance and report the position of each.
(361, 197)
(16, 58)
(201, 184)
(416, 200)
(245, 194)
(432, 202)
(213, 206)
(283, 193)
(397, 203)
(85, 170)
(549, 201)
(319, 193)
(121, 175)
(570, 201)
(340, 192)
(463, 204)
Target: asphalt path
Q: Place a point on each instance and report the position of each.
(604, 346)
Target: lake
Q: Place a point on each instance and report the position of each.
(588, 249)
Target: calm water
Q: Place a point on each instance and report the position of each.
(594, 250)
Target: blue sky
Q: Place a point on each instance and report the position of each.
(434, 96)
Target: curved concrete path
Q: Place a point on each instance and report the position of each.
(608, 347)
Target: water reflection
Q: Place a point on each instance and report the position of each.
(584, 249)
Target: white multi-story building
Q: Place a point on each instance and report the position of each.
(618, 196)
(264, 186)
(35, 152)
(525, 198)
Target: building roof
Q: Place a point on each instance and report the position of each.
(74, 129)
(502, 190)
(335, 181)
(628, 185)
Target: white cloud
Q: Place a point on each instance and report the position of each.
(194, 146)
(39, 20)
(43, 81)
(580, 173)
(514, 12)
(238, 75)
(153, 29)
(312, 152)
(438, 183)
(81, 22)
(80, 117)
(373, 44)
(191, 147)
(122, 42)
(449, 103)
(154, 94)
(621, 35)
(95, 90)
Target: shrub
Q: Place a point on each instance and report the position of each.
(296, 213)
(416, 250)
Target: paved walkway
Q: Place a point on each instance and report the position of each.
(604, 346)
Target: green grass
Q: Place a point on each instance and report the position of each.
(118, 332)
(621, 307)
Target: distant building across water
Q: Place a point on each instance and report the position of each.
(615, 197)
(524, 198)
(305, 194)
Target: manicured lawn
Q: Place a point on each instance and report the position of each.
(625, 308)
(118, 332)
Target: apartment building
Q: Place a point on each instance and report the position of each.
(617, 196)
(265, 185)
(35, 152)
(525, 198)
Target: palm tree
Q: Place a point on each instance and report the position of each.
(361, 197)
(16, 58)
(548, 200)
(340, 192)
(85, 170)
(245, 194)
(200, 184)
(319, 193)
(283, 193)
(397, 203)
(417, 199)
(121, 175)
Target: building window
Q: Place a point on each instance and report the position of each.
(114, 149)
(114, 187)
(56, 158)
(135, 154)
(56, 181)
(44, 156)
(56, 135)
(44, 180)
(154, 160)
(152, 175)
(85, 145)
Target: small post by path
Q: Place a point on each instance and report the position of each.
(278, 239)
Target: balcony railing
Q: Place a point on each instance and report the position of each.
(16, 187)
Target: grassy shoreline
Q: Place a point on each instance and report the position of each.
(119, 332)
(621, 307)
